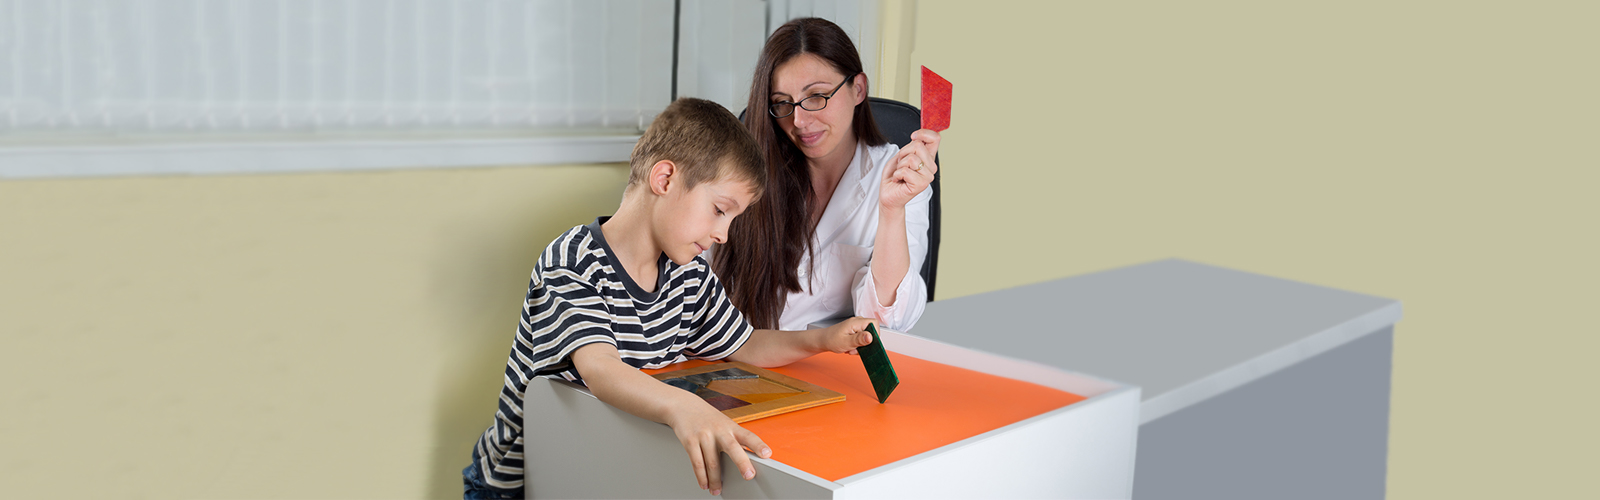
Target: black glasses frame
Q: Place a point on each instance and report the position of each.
(772, 109)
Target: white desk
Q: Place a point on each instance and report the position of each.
(580, 447)
(1253, 387)
(1237, 385)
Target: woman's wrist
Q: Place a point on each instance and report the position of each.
(888, 213)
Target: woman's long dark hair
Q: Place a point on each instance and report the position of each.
(759, 263)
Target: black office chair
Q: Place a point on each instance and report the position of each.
(897, 120)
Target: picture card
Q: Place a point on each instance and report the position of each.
(935, 101)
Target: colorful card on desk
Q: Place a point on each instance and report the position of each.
(935, 101)
(879, 370)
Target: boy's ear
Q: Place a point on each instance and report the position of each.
(662, 176)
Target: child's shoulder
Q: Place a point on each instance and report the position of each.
(575, 248)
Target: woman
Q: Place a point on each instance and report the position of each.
(843, 227)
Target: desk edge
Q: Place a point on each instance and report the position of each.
(1260, 366)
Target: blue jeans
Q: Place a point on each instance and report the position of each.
(473, 486)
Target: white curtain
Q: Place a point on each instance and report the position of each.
(132, 67)
(142, 87)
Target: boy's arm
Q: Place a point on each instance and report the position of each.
(769, 348)
(704, 432)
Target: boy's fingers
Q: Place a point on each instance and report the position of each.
(699, 465)
(740, 460)
(713, 466)
(850, 338)
(754, 443)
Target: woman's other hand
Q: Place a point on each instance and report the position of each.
(911, 171)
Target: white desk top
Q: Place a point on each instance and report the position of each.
(1182, 331)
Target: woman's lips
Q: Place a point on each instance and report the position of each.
(810, 139)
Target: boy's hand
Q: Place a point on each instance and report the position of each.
(769, 348)
(846, 336)
(706, 433)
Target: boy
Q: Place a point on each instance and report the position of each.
(631, 291)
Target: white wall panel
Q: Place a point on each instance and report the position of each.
(721, 40)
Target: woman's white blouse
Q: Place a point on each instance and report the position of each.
(840, 283)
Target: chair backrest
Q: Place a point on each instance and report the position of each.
(897, 120)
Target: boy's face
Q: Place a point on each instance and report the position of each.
(689, 221)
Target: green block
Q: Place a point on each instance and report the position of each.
(879, 370)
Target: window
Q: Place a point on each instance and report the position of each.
(130, 87)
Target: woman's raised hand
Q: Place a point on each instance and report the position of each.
(911, 171)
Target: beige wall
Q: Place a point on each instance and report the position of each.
(292, 336)
(1441, 153)
(341, 335)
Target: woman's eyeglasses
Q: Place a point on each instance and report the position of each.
(816, 102)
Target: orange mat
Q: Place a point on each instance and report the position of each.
(934, 405)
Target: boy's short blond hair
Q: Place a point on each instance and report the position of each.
(705, 141)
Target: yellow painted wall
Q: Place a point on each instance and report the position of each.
(341, 335)
(266, 336)
(1441, 153)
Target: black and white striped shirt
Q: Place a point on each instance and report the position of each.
(579, 295)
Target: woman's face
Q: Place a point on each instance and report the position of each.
(820, 134)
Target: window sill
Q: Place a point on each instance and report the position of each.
(244, 157)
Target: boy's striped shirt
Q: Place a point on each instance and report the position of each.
(579, 295)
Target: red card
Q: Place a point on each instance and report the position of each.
(935, 101)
